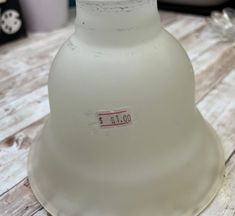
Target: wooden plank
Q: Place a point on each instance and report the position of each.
(23, 112)
(13, 156)
(34, 43)
(23, 84)
(212, 56)
(211, 67)
(193, 24)
(20, 202)
(21, 64)
(200, 41)
(33, 53)
(224, 204)
(168, 17)
(22, 102)
(41, 212)
(219, 109)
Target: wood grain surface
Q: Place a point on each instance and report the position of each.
(24, 67)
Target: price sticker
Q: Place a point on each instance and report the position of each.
(114, 118)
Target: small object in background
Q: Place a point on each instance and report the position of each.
(11, 21)
(224, 23)
(201, 3)
(202, 7)
(45, 15)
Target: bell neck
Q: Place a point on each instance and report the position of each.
(116, 22)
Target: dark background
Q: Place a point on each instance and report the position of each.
(195, 10)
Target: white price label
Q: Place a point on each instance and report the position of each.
(114, 118)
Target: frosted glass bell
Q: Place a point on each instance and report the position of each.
(124, 137)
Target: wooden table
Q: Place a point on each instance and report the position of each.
(24, 67)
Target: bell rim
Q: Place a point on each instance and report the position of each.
(200, 208)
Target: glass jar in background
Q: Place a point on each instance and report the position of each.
(44, 15)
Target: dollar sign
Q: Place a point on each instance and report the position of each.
(101, 120)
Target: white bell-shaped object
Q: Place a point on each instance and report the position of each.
(124, 137)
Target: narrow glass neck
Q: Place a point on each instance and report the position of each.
(117, 22)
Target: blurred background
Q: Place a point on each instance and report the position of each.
(18, 17)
